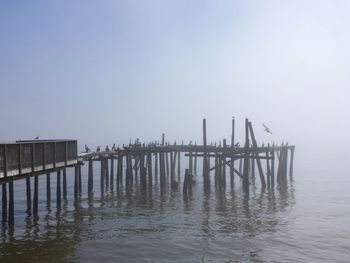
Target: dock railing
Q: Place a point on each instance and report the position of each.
(24, 157)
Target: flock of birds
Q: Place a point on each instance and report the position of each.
(137, 143)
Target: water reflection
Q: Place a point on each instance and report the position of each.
(127, 215)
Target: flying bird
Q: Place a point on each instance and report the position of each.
(266, 128)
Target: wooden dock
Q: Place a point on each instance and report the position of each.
(140, 165)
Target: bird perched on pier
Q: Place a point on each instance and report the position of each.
(98, 148)
(113, 147)
(266, 128)
(36, 138)
(237, 145)
(107, 148)
(87, 149)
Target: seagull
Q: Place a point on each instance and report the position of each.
(98, 148)
(266, 128)
(237, 145)
(36, 138)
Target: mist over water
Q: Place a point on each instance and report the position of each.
(305, 220)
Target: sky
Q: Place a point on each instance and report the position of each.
(108, 71)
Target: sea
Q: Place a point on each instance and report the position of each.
(306, 219)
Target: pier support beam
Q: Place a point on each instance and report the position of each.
(36, 196)
(48, 188)
(29, 195)
(4, 203)
(11, 218)
(58, 189)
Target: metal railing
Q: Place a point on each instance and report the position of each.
(22, 157)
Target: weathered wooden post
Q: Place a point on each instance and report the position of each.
(179, 167)
(273, 166)
(36, 195)
(291, 161)
(48, 188)
(90, 176)
(76, 190)
(149, 166)
(223, 161)
(102, 178)
(4, 202)
(64, 183)
(106, 171)
(246, 157)
(111, 177)
(232, 178)
(11, 218)
(58, 189)
(205, 158)
(156, 169)
(261, 173)
(29, 195)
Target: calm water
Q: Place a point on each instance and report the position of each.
(306, 221)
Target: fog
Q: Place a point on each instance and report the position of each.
(107, 71)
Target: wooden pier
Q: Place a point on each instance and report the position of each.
(141, 165)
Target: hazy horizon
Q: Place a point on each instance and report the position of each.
(105, 72)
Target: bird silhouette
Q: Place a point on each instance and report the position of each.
(36, 138)
(266, 129)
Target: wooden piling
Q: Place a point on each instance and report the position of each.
(11, 218)
(48, 187)
(246, 157)
(4, 202)
(261, 173)
(102, 177)
(28, 194)
(272, 167)
(76, 187)
(232, 165)
(111, 176)
(58, 189)
(90, 177)
(65, 183)
(223, 162)
(291, 164)
(205, 158)
(156, 168)
(36, 195)
(179, 167)
(149, 166)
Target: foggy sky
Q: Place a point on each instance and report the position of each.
(107, 71)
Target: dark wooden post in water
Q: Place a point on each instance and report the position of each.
(232, 178)
(58, 191)
(90, 177)
(179, 167)
(272, 166)
(65, 183)
(102, 177)
(205, 158)
(291, 162)
(246, 157)
(76, 187)
(261, 173)
(223, 161)
(11, 218)
(156, 167)
(4, 203)
(111, 177)
(48, 188)
(106, 171)
(29, 196)
(187, 185)
(36, 195)
(149, 166)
